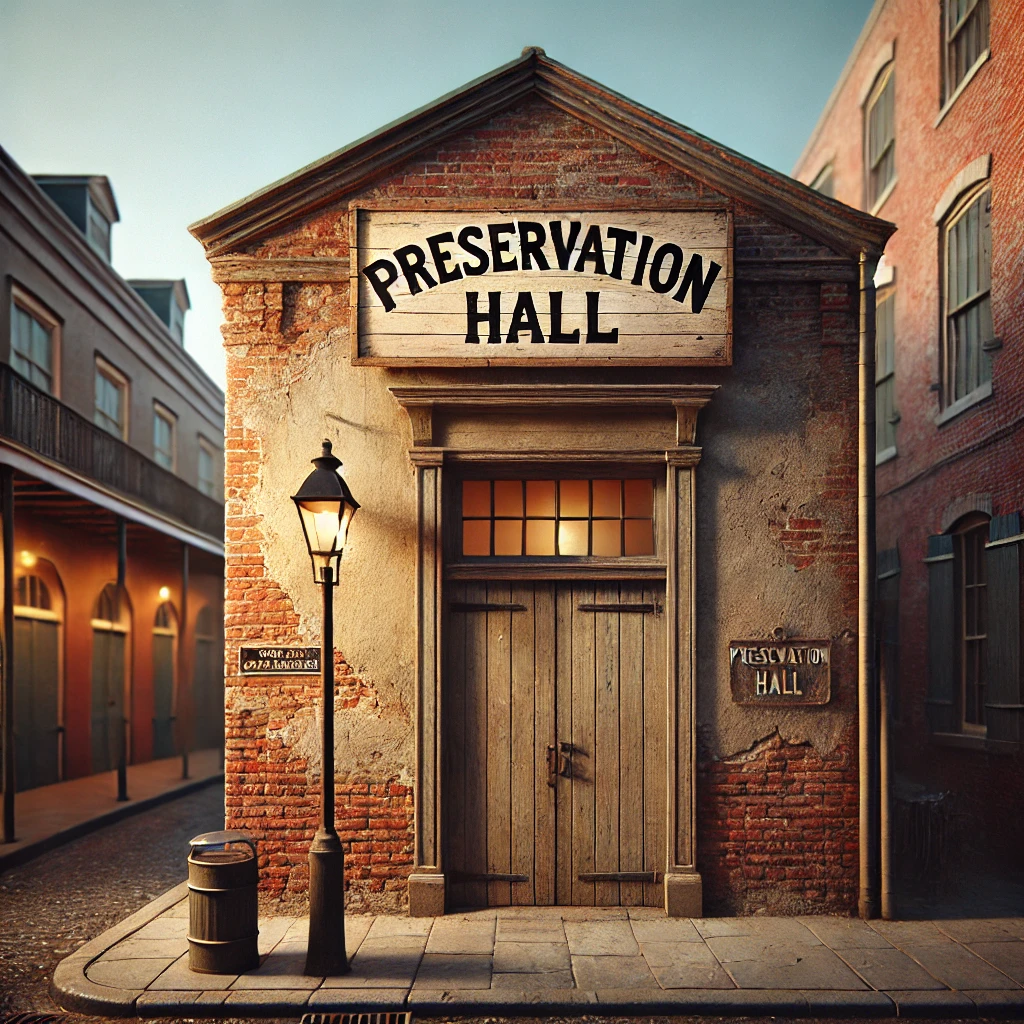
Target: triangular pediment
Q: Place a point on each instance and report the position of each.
(534, 76)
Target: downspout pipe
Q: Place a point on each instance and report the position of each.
(868, 902)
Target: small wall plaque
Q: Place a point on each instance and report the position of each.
(780, 673)
(279, 661)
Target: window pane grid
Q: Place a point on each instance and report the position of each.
(885, 369)
(552, 518)
(967, 31)
(31, 348)
(881, 141)
(974, 623)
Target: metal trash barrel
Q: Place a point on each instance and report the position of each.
(222, 907)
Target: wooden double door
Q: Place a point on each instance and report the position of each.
(554, 743)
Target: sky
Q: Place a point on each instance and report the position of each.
(189, 106)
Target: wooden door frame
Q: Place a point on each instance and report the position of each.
(680, 456)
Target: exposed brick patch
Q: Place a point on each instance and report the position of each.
(778, 830)
(801, 539)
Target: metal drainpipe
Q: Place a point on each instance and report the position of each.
(867, 691)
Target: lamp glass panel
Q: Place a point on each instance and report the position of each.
(325, 524)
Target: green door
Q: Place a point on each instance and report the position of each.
(208, 694)
(163, 695)
(107, 698)
(36, 725)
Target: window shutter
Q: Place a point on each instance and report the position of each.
(942, 633)
(1003, 707)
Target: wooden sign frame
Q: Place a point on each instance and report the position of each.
(498, 206)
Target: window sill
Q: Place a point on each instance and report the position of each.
(961, 405)
(886, 455)
(964, 82)
(883, 198)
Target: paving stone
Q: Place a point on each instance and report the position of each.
(178, 976)
(461, 935)
(889, 968)
(849, 1004)
(910, 933)
(778, 929)
(298, 930)
(932, 1004)
(168, 1004)
(281, 1002)
(530, 929)
(527, 957)
(390, 963)
(427, 1002)
(601, 938)
(127, 973)
(340, 1000)
(992, 1002)
(956, 966)
(664, 929)
(533, 982)
(649, 914)
(205, 998)
(386, 927)
(356, 929)
(758, 963)
(178, 910)
(594, 972)
(163, 928)
(448, 971)
(729, 1003)
(271, 931)
(970, 931)
(141, 949)
(845, 933)
(684, 965)
(1008, 957)
(283, 970)
(594, 913)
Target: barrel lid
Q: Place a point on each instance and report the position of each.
(222, 839)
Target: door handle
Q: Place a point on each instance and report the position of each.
(565, 760)
(552, 763)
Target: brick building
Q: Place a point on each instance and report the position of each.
(111, 451)
(582, 659)
(925, 128)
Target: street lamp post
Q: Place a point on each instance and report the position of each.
(326, 507)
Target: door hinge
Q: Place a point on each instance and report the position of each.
(642, 608)
(618, 876)
(463, 606)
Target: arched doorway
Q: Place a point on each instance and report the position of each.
(208, 681)
(165, 645)
(37, 644)
(110, 622)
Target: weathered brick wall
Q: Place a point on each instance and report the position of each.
(795, 370)
(778, 825)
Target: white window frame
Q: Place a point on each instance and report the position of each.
(211, 449)
(28, 303)
(874, 201)
(161, 412)
(951, 90)
(120, 381)
(884, 373)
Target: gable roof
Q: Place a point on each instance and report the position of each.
(358, 165)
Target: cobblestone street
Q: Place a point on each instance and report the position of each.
(53, 904)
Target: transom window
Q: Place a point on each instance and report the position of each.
(965, 35)
(881, 137)
(32, 592)
(111, 399)
(548, 518)
(32, 344)
(969, 551)
(968, 303)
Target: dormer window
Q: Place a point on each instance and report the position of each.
(97, 231)
(88, 201)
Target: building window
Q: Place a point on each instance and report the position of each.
(886, 416)
(548, 518)
(824, 182)
(98, 230)
(35, 333)
(880, 141)
(965, 40)
(164, 436)
(972, 615)
(111, 412)
(967, 364)
(207, 468)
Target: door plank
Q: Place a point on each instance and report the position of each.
(631, 745)
(606, 744)
(453, 746)
(655, 747)
(474, 762)
(499, 744)
(564, 601)
(544, 734)
(582, 739)
(523, 743)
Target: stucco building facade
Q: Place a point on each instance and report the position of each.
(597, 624)
(925, 128)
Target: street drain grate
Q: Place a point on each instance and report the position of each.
(402, 1017)
(32, 1018)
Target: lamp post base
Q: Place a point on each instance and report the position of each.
(325, 953)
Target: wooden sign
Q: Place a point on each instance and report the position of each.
(780, 673)
(555, 288)
(279, 661)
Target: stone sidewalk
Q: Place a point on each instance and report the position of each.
(524, 960)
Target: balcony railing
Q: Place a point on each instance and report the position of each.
(40, 422)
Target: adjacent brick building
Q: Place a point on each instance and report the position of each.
(575, 631)
(926, 128)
